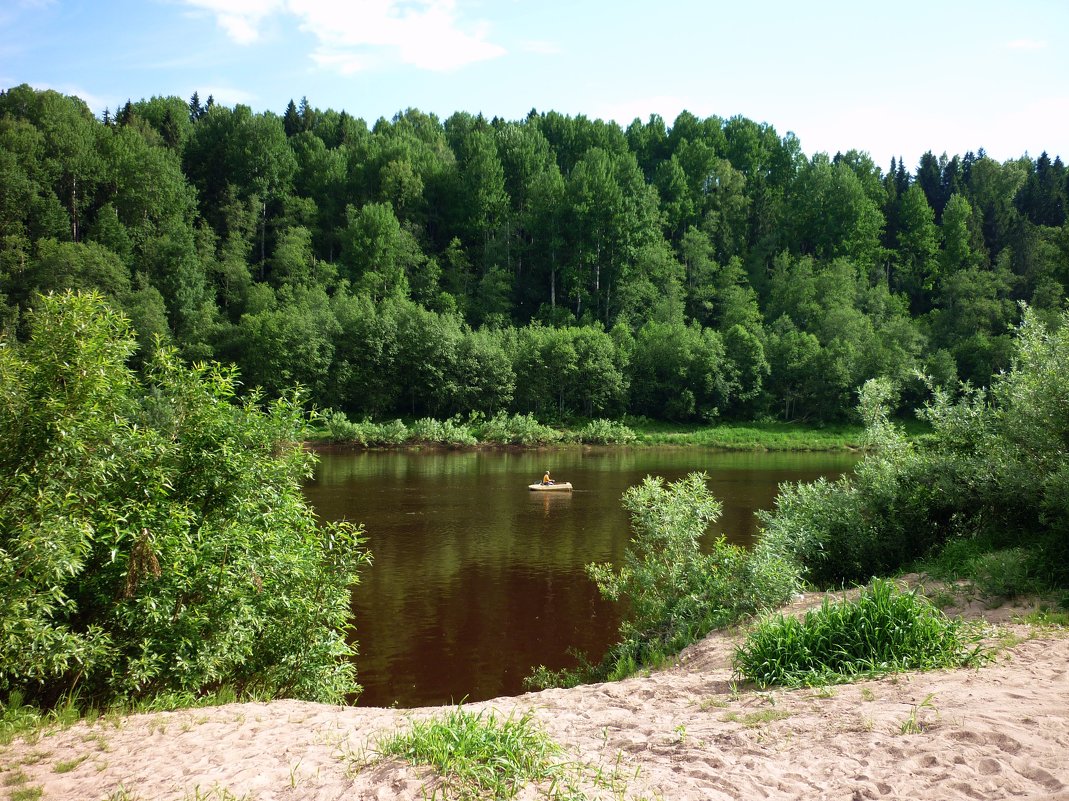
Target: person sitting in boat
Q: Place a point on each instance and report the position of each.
(547, 480)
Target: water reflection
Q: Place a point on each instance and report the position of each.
(476, 578)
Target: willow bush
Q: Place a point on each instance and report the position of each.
(153, 535)
(519, 429)
(675, 591)
(606, 432)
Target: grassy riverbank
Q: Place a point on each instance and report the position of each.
(525, 431)
(771, 436)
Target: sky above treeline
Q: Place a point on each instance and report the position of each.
(892, 79)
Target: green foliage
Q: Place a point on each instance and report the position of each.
(476, 754)
(605, 432)
(763, 435)
(517, 429)
(422, 267)
(153, 535)
(441, 432)
(340, 428)
(884, 630)
(678, 372)
(1006, 573)
(17, 718)
(990, 477)
(674, 592)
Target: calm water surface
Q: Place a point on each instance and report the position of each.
(476, 579)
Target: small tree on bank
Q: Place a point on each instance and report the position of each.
(675, 590)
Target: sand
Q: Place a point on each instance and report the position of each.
(686, 732)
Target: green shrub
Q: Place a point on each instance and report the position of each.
(153, 536)
(394, 432)
(884, 630)
(900, 502)
(340, 428)
(1005, 573)
(519, 429)
(993, 469)
(441, 432)
(606, 432)
(675, 593)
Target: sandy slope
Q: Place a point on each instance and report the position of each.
(998, 732)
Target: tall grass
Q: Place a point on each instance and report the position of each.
(884, 630)
(478, 755)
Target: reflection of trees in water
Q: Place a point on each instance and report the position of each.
(476, 578)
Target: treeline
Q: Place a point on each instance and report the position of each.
(553, 265)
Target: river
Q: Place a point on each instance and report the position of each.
(476, 579)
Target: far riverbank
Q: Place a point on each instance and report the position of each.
(523, 431)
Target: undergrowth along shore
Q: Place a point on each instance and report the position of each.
(523, 430)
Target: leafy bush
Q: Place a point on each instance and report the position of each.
(902, 500)
(606, 432)
(995, 470)
(519, 429)
(1005, 573)
(884, 630)
(340, 428)
(675, 593)
(441, 432)
(153, 536)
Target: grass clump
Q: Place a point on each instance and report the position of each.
(476, 754)
(18, 718)
(67, 765)
(755, 720)
(884, 630)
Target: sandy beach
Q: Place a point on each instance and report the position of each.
(686, 732)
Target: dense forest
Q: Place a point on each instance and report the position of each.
(557, 265)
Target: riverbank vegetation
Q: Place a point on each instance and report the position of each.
(885, 630)
(478, 755)
(523, 429)
(983, 497)
(556, 266)
(154, 541)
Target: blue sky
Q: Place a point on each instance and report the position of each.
(892, 79)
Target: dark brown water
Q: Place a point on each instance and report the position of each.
(476, 579)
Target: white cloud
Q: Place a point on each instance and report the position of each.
(341, 61)
(353, 35)
(239, 18)
(1026, 44)
(422, 33)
